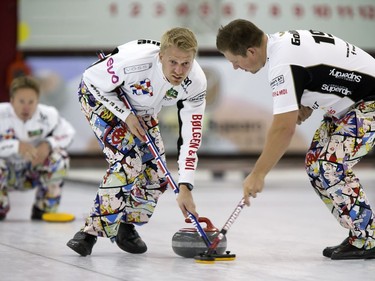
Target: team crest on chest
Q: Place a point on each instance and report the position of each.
(34, 133)
(171, 94)
(142, 88)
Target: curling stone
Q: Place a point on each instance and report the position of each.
(187, 242)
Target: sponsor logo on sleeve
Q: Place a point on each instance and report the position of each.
(296, 40)
(106, 100)
(277, 81)
(348, 76)
(279, 93)
(195, 141)
(200, 97)
(114, 77)
(137, 68)
(336, 89)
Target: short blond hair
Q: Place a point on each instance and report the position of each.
(24, 82)
(181, 37)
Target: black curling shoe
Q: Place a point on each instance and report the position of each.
(327, 252)
(350, 252)
(82, 243)
(129, 240)
(36, 213)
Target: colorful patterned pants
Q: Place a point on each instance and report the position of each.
(17, 174)
(133, 182)
(336, 147)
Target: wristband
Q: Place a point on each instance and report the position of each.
(189, 185)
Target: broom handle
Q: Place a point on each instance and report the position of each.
(227, 225)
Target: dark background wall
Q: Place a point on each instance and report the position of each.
(8, 31)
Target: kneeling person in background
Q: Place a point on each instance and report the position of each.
(33, 142)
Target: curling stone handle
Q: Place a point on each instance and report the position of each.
(209, 227)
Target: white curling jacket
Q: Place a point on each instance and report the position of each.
(318, 70)
(136, 69)
(45, 125)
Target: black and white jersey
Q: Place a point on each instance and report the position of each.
(318, 70)
(136, 69)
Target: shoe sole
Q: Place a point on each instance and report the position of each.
(78, 248)
(364, 256)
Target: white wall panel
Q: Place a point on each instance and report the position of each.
(92, 24)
